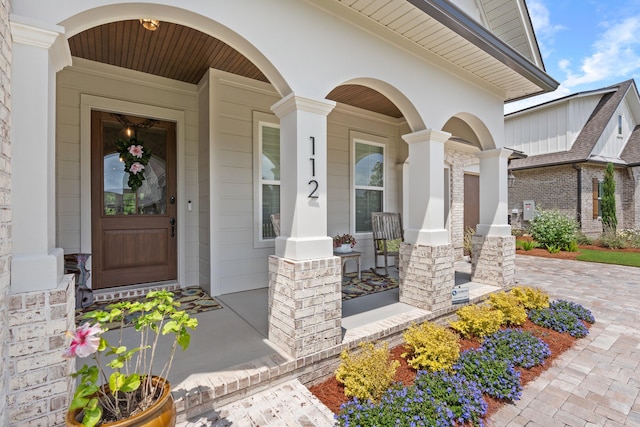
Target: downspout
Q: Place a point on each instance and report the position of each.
(578, 193)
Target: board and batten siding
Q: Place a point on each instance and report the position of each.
(610, 144)
(121, 85)
(551, 129)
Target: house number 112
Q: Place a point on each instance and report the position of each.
(313, 182)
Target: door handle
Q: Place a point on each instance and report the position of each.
(172, 222)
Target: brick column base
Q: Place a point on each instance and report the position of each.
(427, 276)
(305, 304)
(493, 260)
(40, 386)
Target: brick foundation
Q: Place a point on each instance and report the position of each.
(305, 304)
(493, 261)
(427, 276)
(40, 384)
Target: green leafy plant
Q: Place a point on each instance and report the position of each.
(431, 346)
(582, 239)
(130, 385)
(367, 373)
(608, 204)
(528, 245)
(510, 306)
(531, 297)
(477, 321)
(611, 239)
(494, 376)
(573, 246)
(553, 249)
(516, 346)
(553, 228)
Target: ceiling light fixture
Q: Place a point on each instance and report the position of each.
(150, 24)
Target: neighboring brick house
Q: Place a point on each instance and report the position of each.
(569, 142)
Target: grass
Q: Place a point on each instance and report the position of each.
(631, 259)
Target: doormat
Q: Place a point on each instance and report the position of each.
(193, 300)
(370, 283)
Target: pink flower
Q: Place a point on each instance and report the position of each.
(84, 342)
(136, 167)
(136, 151)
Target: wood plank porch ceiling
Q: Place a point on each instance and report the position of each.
(433, 29)
(185, 54)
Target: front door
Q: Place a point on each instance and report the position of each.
(133, 220)
(471, 201)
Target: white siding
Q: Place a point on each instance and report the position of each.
(551, 129)
(237, 265)
(115, 83)
(610, 144)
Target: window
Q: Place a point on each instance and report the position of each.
(267, 175)
(619, 124)
(368, 178)
(598, 191)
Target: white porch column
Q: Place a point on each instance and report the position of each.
(305, 279)
(38, 53)
(494, 195)
(426, 257)
(425, 189)
(303, 178)
(493, 255)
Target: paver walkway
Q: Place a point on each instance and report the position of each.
(595, 383)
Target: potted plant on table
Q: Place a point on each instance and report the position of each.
(343, 244)
(132, 391)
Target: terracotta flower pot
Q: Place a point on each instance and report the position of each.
(161, 414)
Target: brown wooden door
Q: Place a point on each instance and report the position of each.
(471, 201)
(133, 232)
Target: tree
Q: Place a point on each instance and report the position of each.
(609, 220)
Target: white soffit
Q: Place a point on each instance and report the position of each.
(417, 26)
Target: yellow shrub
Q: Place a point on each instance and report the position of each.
(477, 321)
(510, 306)
(367, 373)
(432, 347)
(531, 298)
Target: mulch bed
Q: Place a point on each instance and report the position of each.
(331, 393)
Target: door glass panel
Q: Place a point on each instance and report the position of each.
(151, 197)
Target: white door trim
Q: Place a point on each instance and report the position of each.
(89, 102)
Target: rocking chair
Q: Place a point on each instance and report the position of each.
(387, 227)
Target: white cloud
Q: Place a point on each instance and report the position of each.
(616, 55)
(544, 29)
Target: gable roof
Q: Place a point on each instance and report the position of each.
(631, 152)
(588, 137)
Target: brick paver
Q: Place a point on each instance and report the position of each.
(595, 383)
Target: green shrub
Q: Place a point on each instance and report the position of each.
(510, 306)
(582, 239)
(431, 346)
(608, 201)
(477, 321)
(553, 249)
(573, 246)
(632, 237)
(368, 373)
(528, 245)
(611, 239)
(531, 298)
(553, 228)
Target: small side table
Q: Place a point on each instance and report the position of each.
(353, 255)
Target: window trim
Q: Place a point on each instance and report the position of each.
(260, 120)
(620, 132)
(377, 141)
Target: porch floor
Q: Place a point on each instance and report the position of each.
(230, 355)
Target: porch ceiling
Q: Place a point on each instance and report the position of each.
(127, 44)
(433, 29)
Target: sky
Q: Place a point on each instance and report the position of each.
(585, 44)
